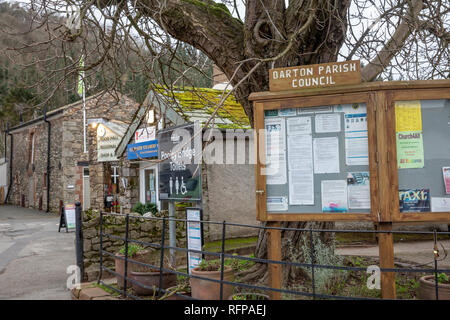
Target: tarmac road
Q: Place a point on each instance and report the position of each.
(33, 256)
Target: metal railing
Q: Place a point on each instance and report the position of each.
(222, 255)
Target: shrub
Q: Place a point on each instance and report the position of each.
(144, 208)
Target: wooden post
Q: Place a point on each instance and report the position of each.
(274, 253)
(386, 252)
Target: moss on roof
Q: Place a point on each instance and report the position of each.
(200, 103)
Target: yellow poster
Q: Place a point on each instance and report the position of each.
(408, 116)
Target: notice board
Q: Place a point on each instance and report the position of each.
(322, 163)
(368, 152)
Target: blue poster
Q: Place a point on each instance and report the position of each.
(414, 200)
(142, 150)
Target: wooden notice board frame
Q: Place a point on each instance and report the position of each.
(379, 98)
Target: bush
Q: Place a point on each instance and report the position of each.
(144, 208)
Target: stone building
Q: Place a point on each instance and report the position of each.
(51, 165)
(228, 190)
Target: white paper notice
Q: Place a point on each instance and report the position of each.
(277, 204)
(326, 155)
(300, 153)
(440, 204)
(288, 112)
(328, 122)
(301, 187)
(358, 185)
(334, 196)
(299, 125)
(275, 151)
(356, 139)
(301, 178)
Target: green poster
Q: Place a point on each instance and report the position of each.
(410, 150)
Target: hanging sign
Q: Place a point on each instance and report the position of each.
(145, 134)
(107, 142)
(180, 169)
(142, 150)
(315, 76)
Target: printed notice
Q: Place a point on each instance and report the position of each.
(288, 112)
(326, 155)
(299, 125)
(410, 150)
(328, 122)
(408, 116)
(300, 153)
(446, 174)
(301, 111)
(440, 204)
(334, 196)
(301, 187)
(356, 139)
(358, 189)
(414, 200)
(277, 204)
(275, 151)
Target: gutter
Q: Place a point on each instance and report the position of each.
(48, 158)
(10, 164)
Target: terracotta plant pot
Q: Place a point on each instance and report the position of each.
(142, 256)
(427, 289)
(210, 290)
(151, 279)
(248, 296)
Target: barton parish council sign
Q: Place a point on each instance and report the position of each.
(179, 174)
(315, 76)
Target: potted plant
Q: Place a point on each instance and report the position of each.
(210, 290)
(151, 279)
(135, 252)
(427, 287)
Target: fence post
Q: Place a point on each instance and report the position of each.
(101, 248)
(274, 253)
(311, 254)
(386, 253)
(222, 260)
(79, 237)
(125, 273)
(161, 260)
(436, 255)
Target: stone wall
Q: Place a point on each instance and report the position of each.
(141, 229)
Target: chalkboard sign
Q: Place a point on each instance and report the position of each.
(179, 170)
(67, 218)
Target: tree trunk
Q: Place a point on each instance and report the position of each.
(292, 242)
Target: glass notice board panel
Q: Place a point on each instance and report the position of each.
(317, 160)
(423, 155)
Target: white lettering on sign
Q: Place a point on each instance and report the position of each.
(318, 75)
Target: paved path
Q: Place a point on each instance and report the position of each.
(418, 252)
(33, 256)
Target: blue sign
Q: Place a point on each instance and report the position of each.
(142, 150)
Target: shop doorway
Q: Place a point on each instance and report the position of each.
(148, 177)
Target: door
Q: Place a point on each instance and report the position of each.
(148, 177)
(31, 192)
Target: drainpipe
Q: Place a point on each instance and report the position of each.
(10, 163)
(48, 158)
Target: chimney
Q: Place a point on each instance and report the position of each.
(219, 78)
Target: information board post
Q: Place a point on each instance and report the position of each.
(172, 233)
(386, 254)
(274, 253)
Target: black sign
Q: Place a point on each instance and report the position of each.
(180, 168)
